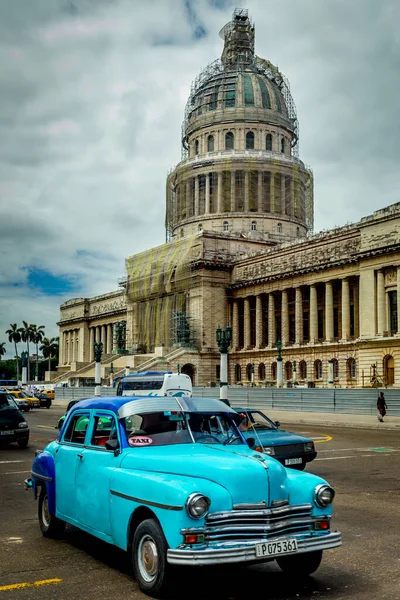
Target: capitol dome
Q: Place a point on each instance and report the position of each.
(240, 173)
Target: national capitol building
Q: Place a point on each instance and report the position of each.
(241, 252)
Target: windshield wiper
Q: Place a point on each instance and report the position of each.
(231, 439)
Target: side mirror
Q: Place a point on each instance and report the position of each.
(251, 442)
(278, 423)
(112, 445)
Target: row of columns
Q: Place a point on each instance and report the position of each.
(260, 141)
(70, 346)
(284, 202)
(299, 333)
(104, 334)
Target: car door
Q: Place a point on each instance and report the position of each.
(66, 458)
(94, 471)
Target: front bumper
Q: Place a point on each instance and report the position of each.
(19, 434)
(240, 552)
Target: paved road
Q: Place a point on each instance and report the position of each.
(362, 465)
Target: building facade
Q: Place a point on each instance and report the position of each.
(240, 251)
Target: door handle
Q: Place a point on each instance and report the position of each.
(80, 455)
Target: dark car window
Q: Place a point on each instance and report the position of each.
(255, 419)
(105, 429)
(6, 401)
(76, 429)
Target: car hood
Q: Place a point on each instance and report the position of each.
(10, 416)
(277, 437)
(240, 471)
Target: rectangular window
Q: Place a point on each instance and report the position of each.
(320, 324)
(76, 429)
(105, 429)
(393, 312)
(335, 322)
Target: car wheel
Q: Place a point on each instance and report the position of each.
(300, 565)
(149, 557)
(23, 442)
(50, 526)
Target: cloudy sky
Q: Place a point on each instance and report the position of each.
(91, 104)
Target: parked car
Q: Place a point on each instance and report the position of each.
(22, 404)
(44, 399)
(174, 482)
(32, 401)
(13, 427)
(291, 449)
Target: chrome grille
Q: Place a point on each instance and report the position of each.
(238, 525)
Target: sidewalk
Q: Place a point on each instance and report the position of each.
(337, 419)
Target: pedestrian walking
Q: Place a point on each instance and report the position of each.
(381, 406)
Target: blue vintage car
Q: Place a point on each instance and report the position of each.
(291, 449)
(174, 482)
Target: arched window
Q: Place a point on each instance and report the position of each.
(210, 143)
(229, 140)
(249, 140)
(249, 371)
(226, 226)
(351, 368)
(288, 370)
(335, 363)
(196, 147)
(254, 226)
(238, 373)
(388, 370)
(200, 227)
(318, 369)
(283, 145)
(273, 371)
(302, 369)
(268, 142)
(261, 372)
(279, 227)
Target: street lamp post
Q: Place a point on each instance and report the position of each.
(330, 373)
(98, 351)
(111, 374)
(279, 365)
(294, 371)
(224, 338)
(24, 363)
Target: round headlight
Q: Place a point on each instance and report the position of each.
(197, 506)
(324, 495)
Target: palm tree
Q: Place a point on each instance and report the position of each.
(2, 349)
(26, 336)
(14, 335)
(49, 349)
(37, 335)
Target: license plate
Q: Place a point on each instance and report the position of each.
(6, 432)
(293, 461)
(286, 546)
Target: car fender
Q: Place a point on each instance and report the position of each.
(301, 490)
(165, 495)
(43, 474)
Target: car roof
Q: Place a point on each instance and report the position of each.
(152, 404)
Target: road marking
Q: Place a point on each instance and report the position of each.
(343, 457)
(9, 462)
(13, 540)
(20, 586)
(324, 438)
(46, 427)
(15, 473)
(381, 450)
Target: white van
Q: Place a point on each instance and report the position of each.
(155, 383)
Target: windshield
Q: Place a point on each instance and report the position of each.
(165, 429)
(255, 420)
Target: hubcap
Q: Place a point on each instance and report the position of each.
(148, 558)
(45, 512)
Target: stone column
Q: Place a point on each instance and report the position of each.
(91, 344)
(220, 208)
(381, 307)
(207, 200)
(235, 325)
(103, 337)
(285, 318)
(313, 314)
(233, 190)
(328, 311)
(345, 310)
(109, 339)
(283, 194)
(271, 321)
(299, 316)
(188, 198)
(69, 337)
(272, 192)
(247, 324)
(260, 192)
(259, 322)
(61, 351)
(196, 195)
(398, 299)
(246, 191)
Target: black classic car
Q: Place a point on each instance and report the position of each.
(13, 427)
